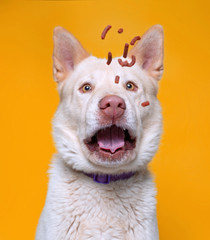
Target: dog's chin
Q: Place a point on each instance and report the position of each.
(111, 146)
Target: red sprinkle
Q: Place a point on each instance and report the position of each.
(120, 30)
(144, 104)
(125, 53)
(125, 63)
(106, 29)
(109, 58)
(133, 61)
(134, 40)
(117, 78)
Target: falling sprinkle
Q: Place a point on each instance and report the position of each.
(109, 60)
(120, 30)
(117, 78)
(106, 29)
(134, 40)
(144, 104)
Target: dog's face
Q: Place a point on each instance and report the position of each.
(101, 125)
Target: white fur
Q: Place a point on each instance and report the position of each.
(77, 207)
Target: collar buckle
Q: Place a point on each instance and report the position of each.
(104, 179)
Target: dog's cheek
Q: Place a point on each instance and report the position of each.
(151, 131)
(79, 110)
(69, 111)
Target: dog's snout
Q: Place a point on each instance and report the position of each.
(112, 106)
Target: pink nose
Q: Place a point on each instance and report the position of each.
(112, 106)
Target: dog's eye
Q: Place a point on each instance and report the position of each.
(131, 86)
(86, 88)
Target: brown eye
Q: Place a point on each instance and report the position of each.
(131, 86)
(86, 88)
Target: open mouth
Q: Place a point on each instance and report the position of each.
(111, 142)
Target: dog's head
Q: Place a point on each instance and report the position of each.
(101, 125)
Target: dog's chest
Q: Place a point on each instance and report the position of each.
(83, 209)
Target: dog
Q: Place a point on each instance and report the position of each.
(106, 132)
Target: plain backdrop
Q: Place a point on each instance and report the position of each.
(29, 98)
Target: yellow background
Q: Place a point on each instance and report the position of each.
(29, 99)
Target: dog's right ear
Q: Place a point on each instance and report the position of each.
(67, 53)
(149, 51)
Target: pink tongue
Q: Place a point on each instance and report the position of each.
(111, 138)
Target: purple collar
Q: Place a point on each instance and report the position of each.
(107, 178)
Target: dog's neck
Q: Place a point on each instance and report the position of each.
(107, 178)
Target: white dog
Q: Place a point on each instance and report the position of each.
(105, 132)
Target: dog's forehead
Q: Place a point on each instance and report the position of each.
(96, 71)
(96, 68)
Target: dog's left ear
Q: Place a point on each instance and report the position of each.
(149, 51)
(67, 53)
